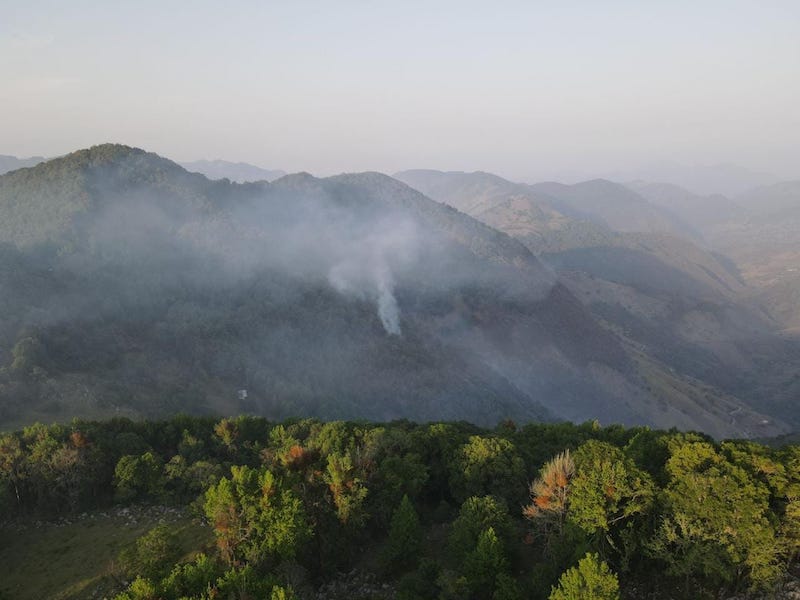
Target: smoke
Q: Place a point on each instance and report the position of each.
(365, 270)
(388, 310)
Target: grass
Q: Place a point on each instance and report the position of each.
(75, 560)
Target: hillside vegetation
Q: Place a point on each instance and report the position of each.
(310, 509)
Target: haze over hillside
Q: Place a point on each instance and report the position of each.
(653, 271)
(723, 179)
(136, 287)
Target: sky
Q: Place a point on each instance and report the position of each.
(528, 90)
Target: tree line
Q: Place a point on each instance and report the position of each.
(438, 511)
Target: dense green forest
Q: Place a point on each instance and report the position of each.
(312, 509)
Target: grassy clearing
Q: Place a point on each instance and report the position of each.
(75, 560)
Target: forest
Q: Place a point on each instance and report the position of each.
(314, 509)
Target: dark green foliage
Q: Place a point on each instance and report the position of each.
(506, 588)
(478, 514)
(422, 583)
(152, 556)
(405, 539)
(484, 564)
(137, 476)
(488, 465)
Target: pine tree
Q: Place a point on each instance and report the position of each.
(484, 564)
(405, 538)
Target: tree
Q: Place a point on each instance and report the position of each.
(227, 431)
(422, 583)
(484, 564)
(282, 593)
(405, 538)
(255, 518)
(478, 514)
(591, 579)
(608, 493)
(347, 489)
(191, 579)
(395, 477)
(487, 465)
(550, 493)
(716, 521)
(136, 476)
(790, 519)
(12, 465)
(152, 555)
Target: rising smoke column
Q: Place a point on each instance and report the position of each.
(367, 264)
(388, 311)
(372, 281)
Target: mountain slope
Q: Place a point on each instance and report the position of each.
(703, 212)
(613, 205)
(470, 193)
(764, 241)
(683, 313)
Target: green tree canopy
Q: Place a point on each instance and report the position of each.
(591, 579)
(715, 522)
(254, 517)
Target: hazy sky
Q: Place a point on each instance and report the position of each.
(525, 89)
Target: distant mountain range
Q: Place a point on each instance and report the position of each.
(658, 282)
(235, 171)
(132, 286)
(11, 163)
(725, 179)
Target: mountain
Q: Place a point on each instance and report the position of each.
(702, 211)
(471, 193)
(777, 199)
(510, 207)
(597, 207)
(764, 241)
(682, 309)
(725, 179)
(133, 287)
(613, 205)
(235, 171)
(12, 163)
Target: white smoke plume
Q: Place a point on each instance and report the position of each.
(388, 311)
(366, 269)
